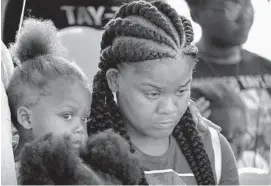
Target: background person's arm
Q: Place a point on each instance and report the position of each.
(204, 107)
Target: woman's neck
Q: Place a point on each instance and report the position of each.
(148, 145)
(217, 54)
(151, 146)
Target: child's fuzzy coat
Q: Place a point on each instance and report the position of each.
(106, 159)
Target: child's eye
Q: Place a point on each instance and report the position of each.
(153, 95)
(67, 116)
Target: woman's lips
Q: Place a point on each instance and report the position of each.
(165, 124)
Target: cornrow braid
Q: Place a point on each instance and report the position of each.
(149, 12)
(124, 27)
(174, 17)
(132, 37)
(188, 30)
(129, 51)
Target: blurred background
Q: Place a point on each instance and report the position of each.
(260, 33)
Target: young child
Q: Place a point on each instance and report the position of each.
(50, 101)
(47, 93)
(147, 59)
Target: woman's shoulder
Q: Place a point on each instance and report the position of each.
(212, 135)
(221, 156)
(212, 140)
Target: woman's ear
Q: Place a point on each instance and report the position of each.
(24, 117)
(112, 76)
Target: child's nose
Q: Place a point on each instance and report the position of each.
(79, 126)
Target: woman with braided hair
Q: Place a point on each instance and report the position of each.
(147, 59)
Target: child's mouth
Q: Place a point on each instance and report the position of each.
(77, 139)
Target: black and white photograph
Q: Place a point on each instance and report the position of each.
(135, 92)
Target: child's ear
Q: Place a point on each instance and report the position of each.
(24, 117)
(112, 76)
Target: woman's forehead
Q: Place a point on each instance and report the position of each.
(166, 63)
(224, 3)
(161, 71)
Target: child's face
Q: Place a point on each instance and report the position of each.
(64, 110)
(153, 96)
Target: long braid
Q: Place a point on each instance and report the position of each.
(127, 40)
(191, 144)
(100, 114)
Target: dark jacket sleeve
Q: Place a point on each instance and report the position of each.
(11, 20)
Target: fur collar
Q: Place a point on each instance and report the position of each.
(106, 159)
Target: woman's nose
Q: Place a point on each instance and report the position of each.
(167, 106)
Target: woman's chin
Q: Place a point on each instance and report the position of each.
(159, 134)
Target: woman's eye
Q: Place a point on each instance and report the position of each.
(153, 95)
(67, 116)
(181, 92)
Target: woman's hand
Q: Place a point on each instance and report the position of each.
(202, 123)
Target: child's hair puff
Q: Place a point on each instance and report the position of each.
(36, 38)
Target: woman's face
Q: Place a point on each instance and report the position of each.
(153, 96)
